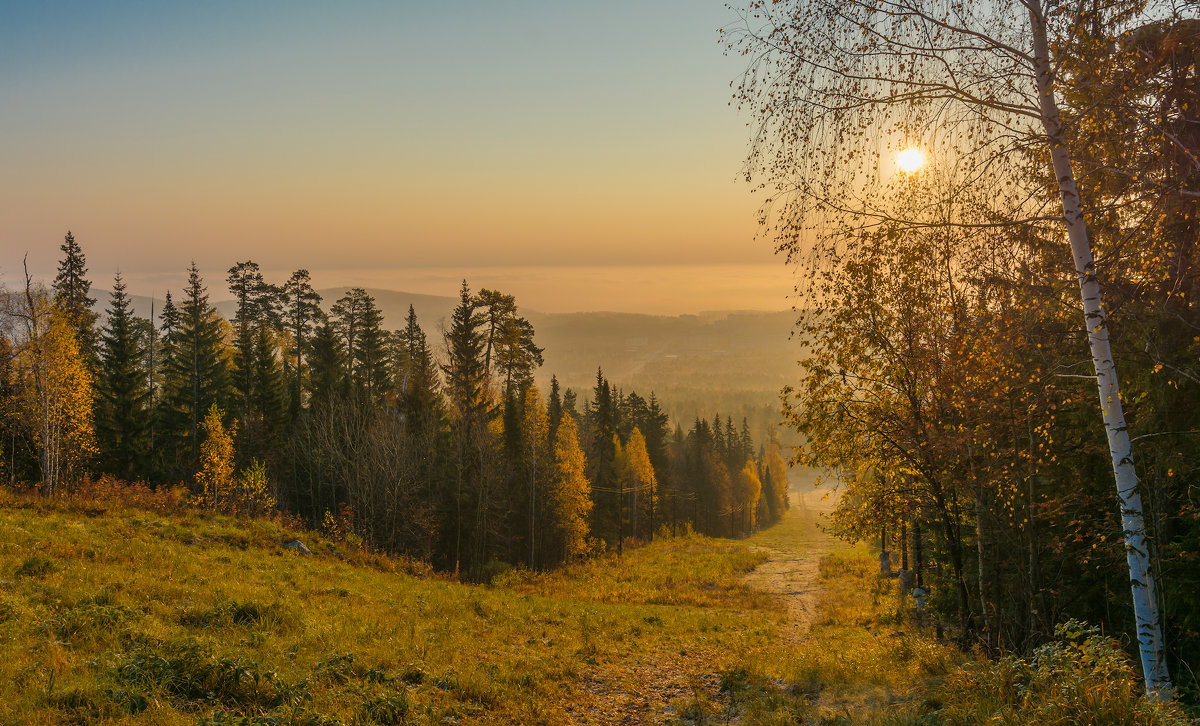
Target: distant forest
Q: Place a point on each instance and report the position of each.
(454, 458)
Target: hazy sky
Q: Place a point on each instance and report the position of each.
(381, 137)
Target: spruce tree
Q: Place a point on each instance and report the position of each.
(195, 373)
(570, 403)
(71, 296)
(326, 365)
(468, 391)
(302, 313)
(554, 407)
(465, 370)
(416, 372)
(122, 413)
(269, 400)
(360, 323)
(601, 425)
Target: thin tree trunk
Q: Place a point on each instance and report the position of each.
(1145, 610)
(918, 563)
(986, 594)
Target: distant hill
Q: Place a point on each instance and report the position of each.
(732, 362)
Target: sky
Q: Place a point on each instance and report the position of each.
(582, 155)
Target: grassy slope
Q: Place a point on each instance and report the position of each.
(118, 615)
(135, 616)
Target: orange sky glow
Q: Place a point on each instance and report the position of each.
(407, 142)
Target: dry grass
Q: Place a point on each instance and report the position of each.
(168, 616)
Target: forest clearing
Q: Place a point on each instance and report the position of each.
(112, 614)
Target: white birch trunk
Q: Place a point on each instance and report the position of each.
(1145, 610)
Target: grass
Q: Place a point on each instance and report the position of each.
(113, 614)
(868, 658)
(692, 571)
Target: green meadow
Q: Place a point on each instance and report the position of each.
(111, 614)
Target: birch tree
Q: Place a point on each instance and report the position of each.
(55, 388)
(837, 87)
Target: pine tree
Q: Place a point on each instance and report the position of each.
(326, 365)
(195, 372)
(123, 413)
(360, 323)
(257, 371)
(71, 295)
(302, 313)
(248, 287)
(416, 372)
(496, 309)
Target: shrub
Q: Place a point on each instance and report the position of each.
(252, 496)
(1080, 677)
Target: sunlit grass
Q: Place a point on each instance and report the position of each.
(691, 570)
(119, 615)
(112, 614)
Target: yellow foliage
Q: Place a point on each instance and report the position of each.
(253, 493)
(747, 490)
(56, 394)
(571, 499)
(637, 475)
(245, 494)
(215, 477)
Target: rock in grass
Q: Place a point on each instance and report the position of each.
(298, 546)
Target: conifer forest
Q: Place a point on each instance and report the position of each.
(313, 408)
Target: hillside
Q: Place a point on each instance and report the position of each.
(110, 614)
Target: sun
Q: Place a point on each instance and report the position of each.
(910, 160)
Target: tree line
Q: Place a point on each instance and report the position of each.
(453, 455)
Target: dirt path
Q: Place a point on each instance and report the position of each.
(793, 576)
(795, 547)
(649, 690)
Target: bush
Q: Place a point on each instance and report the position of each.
(1081, 677)
(389, 710)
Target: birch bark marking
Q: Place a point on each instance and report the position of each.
(1145, 610)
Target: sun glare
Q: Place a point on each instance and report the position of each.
(910, 160)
